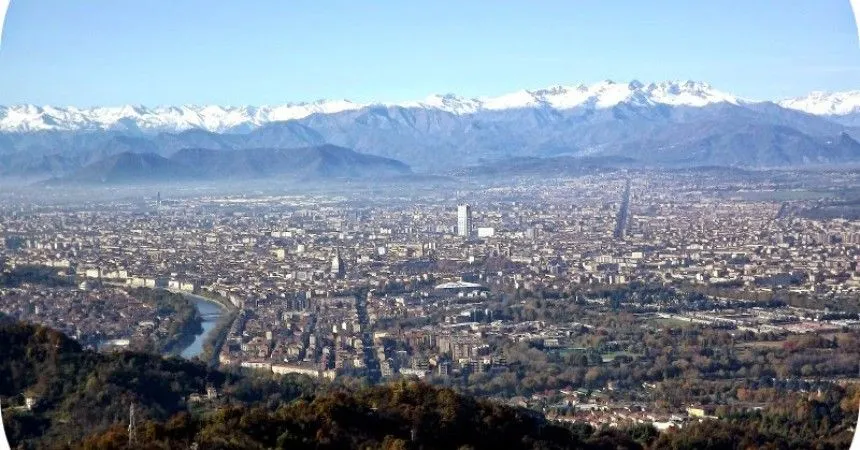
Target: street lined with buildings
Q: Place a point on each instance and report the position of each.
(437, 285)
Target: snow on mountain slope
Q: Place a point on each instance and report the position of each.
(449, 103)
(826, 103)
(602, 95)
(688, 94)
(29, 118)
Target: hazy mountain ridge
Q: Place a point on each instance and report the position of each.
(666, 124)
(128, 167)
(432, 139)
(307, 163)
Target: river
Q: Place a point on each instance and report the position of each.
(211, 312)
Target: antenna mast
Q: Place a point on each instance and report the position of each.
(132, 426)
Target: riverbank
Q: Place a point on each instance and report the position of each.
(207, 345)
(226, 305)
(183, 337)
(210, 313)
(212, 347)
(179, 331)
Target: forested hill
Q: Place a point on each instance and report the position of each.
(84, 398)
(80, 391)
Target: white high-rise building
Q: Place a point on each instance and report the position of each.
(464, 220)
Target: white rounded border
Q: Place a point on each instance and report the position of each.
(4, 7)
(855, 5)
(4, 443)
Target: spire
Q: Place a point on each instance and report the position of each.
(338, 268)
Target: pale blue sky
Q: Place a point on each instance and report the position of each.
(107, 52)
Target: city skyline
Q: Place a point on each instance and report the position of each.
(619, 283)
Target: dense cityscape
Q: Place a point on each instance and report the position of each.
(591, 299)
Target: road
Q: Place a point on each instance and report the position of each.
(370, 360)
(623, 214)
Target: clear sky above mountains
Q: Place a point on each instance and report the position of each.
(108, 52)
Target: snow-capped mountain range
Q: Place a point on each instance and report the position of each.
(29, 118)
(666, 124)
(219, 119)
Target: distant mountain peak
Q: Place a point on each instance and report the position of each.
(224, 119)
(826, 103)
(553, 90)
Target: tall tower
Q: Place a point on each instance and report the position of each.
(464, 220)
(338, 268)
(132, 426)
